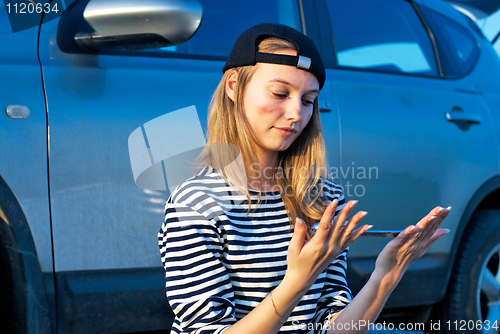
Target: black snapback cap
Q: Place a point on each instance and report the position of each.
(244, 52)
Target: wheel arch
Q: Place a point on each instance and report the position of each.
(21, 268)
(486, 197)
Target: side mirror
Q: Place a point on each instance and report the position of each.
(133, 24)
(475, 9)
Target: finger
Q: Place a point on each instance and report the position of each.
(442, 214)
(429, 228)
(326, 220)
(404, 236)
(339, 222)
(428, 225)
(426, 219)
(425, 230)
(356, 233)
(299, 235)
(351, 225)
(438, 234)
(437, 211)
(417, 235)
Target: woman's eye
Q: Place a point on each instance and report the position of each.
(281, 96)
(307, 102)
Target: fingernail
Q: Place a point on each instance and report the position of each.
(448, 208)
(439, 210)
(335, 202)
(363, 213)
(447, 230)
(353, 203)
(369, 227)
(300, 221)
(431, 218)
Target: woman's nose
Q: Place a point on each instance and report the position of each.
(294, 109)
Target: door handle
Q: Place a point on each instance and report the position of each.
(324, 106)
(463, 117)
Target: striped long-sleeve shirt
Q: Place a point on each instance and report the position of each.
(221, 261)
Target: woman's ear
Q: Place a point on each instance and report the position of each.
(231, 83)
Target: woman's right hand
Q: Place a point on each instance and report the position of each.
(307, 259)
(411, 244)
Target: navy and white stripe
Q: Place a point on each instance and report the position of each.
(221, 262)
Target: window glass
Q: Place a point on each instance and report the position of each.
(382, 35)
(457, 48)
(224, 21)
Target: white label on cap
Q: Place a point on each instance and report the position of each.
(304, 62)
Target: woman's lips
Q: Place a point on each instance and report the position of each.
(286, 131)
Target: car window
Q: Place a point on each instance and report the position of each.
(381, 35)
(224, 21)
(457, 48)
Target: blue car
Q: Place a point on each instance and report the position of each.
(106, 104)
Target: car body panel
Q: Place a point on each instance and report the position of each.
(414, 174)
(389, 145)
(418, 173)
(24, 141)
(485, 79)
(95, 103)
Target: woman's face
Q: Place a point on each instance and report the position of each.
(278, 103)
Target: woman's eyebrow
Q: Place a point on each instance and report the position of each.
(289, 84)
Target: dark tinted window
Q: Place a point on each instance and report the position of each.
(224, 21)
(457, 48)
(382, 35)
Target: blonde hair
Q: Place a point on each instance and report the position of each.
(301, 194)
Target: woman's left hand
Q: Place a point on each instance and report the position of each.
(410, 245)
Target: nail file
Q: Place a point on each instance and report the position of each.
(381, 233)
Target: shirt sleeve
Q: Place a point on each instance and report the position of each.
(335, 295)
(197, 283)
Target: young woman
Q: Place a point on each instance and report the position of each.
(237, 242)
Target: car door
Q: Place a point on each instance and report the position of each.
(25, 232)
(105, 226)
(414, 133)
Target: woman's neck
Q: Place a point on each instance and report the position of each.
(266, 165)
